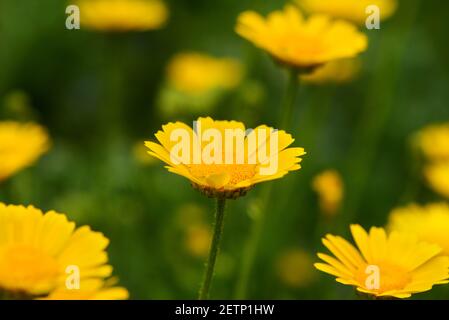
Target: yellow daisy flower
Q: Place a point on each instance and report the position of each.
(353, 10)
(21, 144)
(338, 72)
(298, 42)
(123, 15)
(329, 187)
(41, 254)
(429, 223)
(437, 176)
(395, 265)
(434, 141)
(225, 179)
(196, 73)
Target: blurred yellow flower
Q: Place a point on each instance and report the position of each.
(329, 187)
(123, 15)
(298, 42)
(338, 71)
(437, 176)
(395, 265)
(197, 239)
(433, 141)
(92, 289)
(353, 10)
(223, 179)
(21, 144)
(196, 73)
(41, 254)
(294, 268)
(429, 223)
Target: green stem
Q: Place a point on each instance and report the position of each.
(253, 241)
(218, 231)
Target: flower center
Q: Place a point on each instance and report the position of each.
(26, 269)
(389, 277)
(234, 173)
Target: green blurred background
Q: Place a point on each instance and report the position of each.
(97, 95)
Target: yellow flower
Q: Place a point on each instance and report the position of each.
(294, 268)
(395, 265)
(429, 223)
(41, 254)
(234, 168)
(298, 42)
(338, 71)
(437, 176)
(20, 146)
(123, 15)
(434, 141)
(353, 10)
(92, 289)
(329, 187)
(195, 73)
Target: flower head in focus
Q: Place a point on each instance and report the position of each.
(352, 10)
(221, 158)
(21, 144)
(299, 42)
(429, 223)
(123, 15)
(338, 72)
(40, 252)
(437, 176)
(329, 187)
(395, 265)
